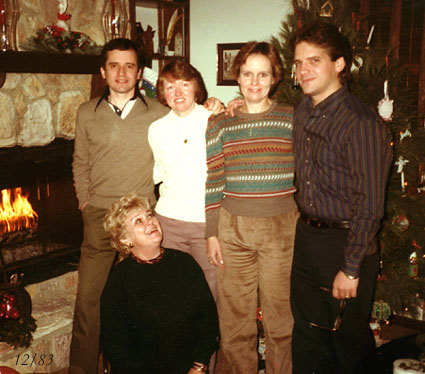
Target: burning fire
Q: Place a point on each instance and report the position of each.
(18, 214)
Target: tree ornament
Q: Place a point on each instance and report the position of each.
(381, 311)
(369, 38)
(62, 15)
(376, 331)
(8, 308)
(261, 341)
(405, 134)
(327, 9)
(421, 179)
(17, 325)
(413, 265)
(385, 105)
(416, 245)
(299, 15)
(357, 63)
(401, 223)
(262, 348)
(259, 314)
(355, 19)
(401, 162)
(382, 277)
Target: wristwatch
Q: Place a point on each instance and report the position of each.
(350, 277)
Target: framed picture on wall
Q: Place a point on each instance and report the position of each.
(226, 55)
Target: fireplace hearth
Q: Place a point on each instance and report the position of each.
(51, 245)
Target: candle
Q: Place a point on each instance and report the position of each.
(401, 162)
(113, 18)
(62, 6)
(370, 34)
(2, 13)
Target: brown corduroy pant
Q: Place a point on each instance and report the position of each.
(257, 253)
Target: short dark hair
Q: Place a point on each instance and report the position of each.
(327, 36)
(180, 69)
(122, 44)
(259, 48)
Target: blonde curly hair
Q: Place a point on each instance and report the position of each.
(115, 218)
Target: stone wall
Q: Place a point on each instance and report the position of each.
(36, 108)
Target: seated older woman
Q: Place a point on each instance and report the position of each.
(157, 312)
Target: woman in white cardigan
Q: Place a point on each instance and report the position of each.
(178, 144)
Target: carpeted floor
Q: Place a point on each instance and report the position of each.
(400, 333)
(222, 366)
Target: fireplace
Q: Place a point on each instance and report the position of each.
(50, 244)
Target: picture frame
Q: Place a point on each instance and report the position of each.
(226, 53)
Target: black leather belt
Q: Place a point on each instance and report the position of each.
(324, 224)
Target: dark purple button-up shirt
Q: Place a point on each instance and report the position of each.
(343, 155)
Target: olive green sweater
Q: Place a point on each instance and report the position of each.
(112, 156)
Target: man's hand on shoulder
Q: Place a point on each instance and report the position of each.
(233, 105)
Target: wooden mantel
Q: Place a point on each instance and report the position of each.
(46, 63)
(49, 63)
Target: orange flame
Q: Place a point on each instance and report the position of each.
(17, 214)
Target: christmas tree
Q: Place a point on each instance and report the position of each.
(380, 82)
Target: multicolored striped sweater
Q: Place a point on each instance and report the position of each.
(250, 165)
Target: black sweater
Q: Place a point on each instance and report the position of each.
(158, 318)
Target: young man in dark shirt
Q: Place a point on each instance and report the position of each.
(343, 155)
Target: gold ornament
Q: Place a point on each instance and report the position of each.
(327, 9)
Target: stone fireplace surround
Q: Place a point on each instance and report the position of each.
(37, 108)
(38, 103)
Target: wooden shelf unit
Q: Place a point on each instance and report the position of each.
(161, 50)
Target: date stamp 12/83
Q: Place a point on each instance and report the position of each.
(34, 360)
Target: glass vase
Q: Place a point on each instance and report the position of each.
(9, 15)
(114, 19)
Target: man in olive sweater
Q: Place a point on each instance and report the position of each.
(112, 157)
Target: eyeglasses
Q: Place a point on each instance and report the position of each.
(338, 320)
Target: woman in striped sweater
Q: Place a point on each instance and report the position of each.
(251, 214)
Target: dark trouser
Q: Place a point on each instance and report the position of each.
(318, 256)
(97, 258)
